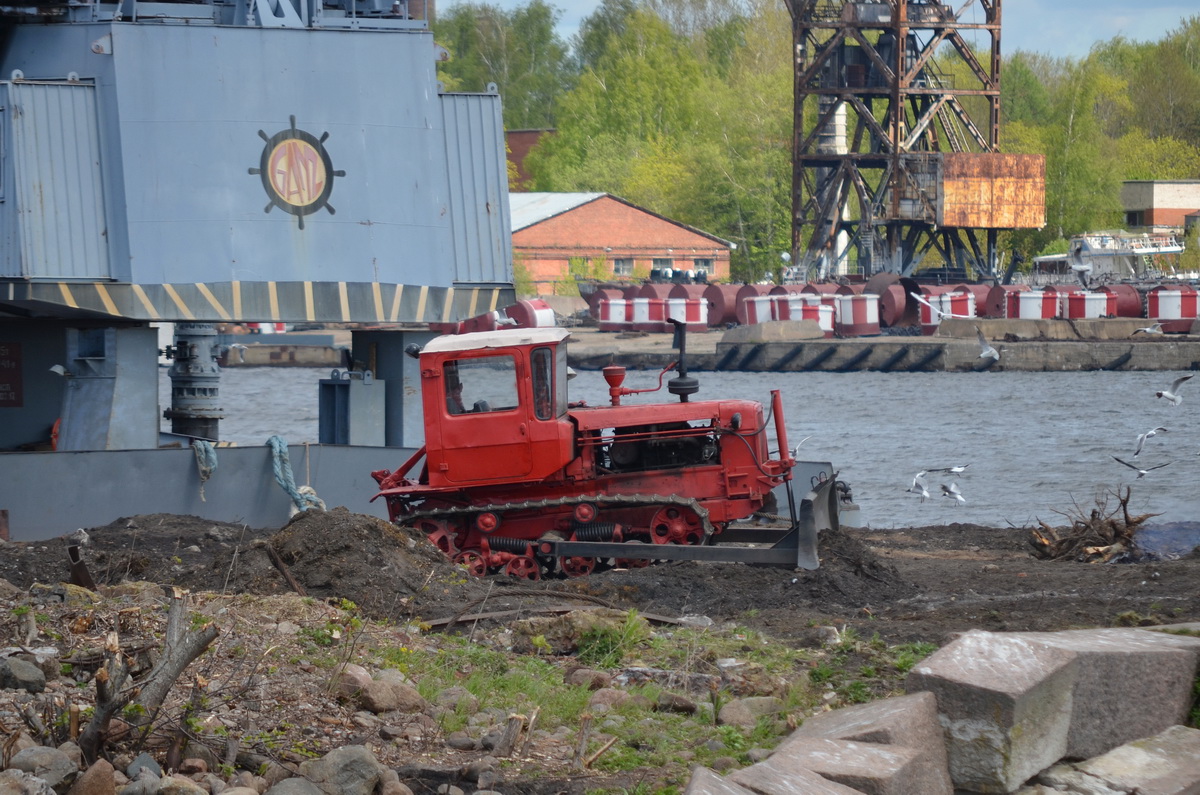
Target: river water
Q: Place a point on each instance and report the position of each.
(1038, 444)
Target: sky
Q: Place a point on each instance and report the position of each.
(1061, 28)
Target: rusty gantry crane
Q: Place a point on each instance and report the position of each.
(888, 162)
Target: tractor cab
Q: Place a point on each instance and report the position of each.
(495, 406)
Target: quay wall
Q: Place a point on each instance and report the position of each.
(786, 346)
(915, 354)
(1025, 345)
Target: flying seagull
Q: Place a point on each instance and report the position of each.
(958, 470)
(1172, 394)
(1153, 328)
(1082, 269)
(1141, 472)
(937, 312)
(953, 492)
(1142, 437)
(918, 486)
(986, 351)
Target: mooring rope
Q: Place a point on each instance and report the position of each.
(206, 462)
(302, 499)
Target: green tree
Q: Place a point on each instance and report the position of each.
(643, 90)
(519, 51)
(598, 29)
(1167, 90)
(1023, 98)
(1143, 157)
(1082, 190)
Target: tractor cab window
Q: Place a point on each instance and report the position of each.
(480, 384)
(543, 383)
(549, 376)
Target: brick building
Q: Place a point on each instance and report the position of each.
(611, 237)
(1159, 205)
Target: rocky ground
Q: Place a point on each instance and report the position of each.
(899, 586)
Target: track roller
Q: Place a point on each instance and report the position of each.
(523, 566)
(673, 524)
(473, 562)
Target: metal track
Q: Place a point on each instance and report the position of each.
(792, 547)
(619, 500)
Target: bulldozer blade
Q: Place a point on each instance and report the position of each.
(817, 514)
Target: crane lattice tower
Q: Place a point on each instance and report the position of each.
(896, 141)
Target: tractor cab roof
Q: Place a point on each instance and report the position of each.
(500, 338)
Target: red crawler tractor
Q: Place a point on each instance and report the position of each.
(514, 478)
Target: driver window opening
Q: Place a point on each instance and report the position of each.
(543, 379)
(480, 385)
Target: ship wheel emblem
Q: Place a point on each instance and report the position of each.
(296, 172)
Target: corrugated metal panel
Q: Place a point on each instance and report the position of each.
(59, 188)
(532, 208)
(477, 172)
(994, 191)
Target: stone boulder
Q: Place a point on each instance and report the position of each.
(18, 674)
(349, 770)
(1004, 703)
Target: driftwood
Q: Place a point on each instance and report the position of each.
(585, 732)
(1097, 536)
(114, 688)
(512, 734)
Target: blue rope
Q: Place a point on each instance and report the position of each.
(283, 476)
(206, 462)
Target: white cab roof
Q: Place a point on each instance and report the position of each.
(499, 338)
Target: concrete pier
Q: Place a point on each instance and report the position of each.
(1024, 345)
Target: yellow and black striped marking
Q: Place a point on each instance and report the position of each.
(278, 302)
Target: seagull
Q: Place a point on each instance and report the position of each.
(1172, 394)
(958, 470)
(1082, 269)
(796, 450)
(953, 492)
(937, 312)
(1141, 472)
(1154, 328)
(986, 351)
(1142, 437)
(918, 486)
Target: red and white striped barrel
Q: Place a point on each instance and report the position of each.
(997, 301)
(692, 312)
(857, 315)
(1174, 305)
(755, 309)
(826, 299)
(1083, 305)
(1032, 305)
(961, 304)
(929, 319)
(781, 306)
(789, 307)
(822, 314)
(531, 313)
(936, 306)
(650, 314)
(616, 314)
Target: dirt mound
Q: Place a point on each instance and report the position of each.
(850, 576)
(392, 573)
(386, 571)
